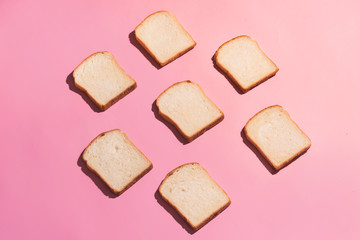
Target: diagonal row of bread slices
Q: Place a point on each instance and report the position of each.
(188, 188)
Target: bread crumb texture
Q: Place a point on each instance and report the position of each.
(194, 194)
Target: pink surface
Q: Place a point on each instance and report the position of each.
(47, 192)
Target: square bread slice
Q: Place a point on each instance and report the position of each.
(186, 106)
(103, 80)
(116, 160)
(163, 37)
(244, 62)
(193, 194)
(276, 136)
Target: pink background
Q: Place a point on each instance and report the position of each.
(47, 192)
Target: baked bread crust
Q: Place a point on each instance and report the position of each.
(228, 73)
(213, 215)
(179, 54)
(113, 100)
(201, 131)
(137, 178)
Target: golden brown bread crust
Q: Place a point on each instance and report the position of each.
(177, 210)
(277, 168)
(115, 99)
(242, 88)
(201, 131)
(133, 181)
(151, 53)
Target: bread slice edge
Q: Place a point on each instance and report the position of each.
(201, 131)
(180, 213)
(161, 64)
(252, 141)
(137, 178)
(113, 100)
(227, 72)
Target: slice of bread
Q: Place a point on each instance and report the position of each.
(244, 62)
(116, 160)
(276, 136)
(104, 81)
(163, 37)
(193, 194)
(186, 106)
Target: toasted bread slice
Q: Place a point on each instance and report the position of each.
(116, 160)
(276, 136)
(104, 81)
(186, 106)
(163, 37)
(244, 62)
(193, 194)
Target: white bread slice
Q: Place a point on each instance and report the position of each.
(104, 81)
(186, 106)
(163, 37)
(116, 160)
(276, 136)
(193, 194)
(244, 62)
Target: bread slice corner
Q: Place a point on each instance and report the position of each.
(163, 37)
(276, 136)
(116, 160)
(185, 105)
(102, 79)
(244, 62)
(191, 191)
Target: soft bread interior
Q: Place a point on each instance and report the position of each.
(115, 159)
(245, 62)
(102, 78)
(163, 36)
(276, 135)
(188, 107)
(193, 193)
